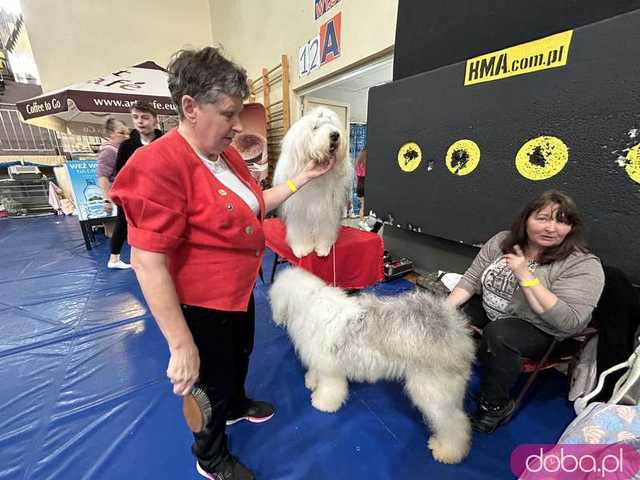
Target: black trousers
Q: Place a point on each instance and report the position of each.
(503, 345)
(225, 342)
(119, 234)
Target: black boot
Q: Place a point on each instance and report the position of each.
(488, 417)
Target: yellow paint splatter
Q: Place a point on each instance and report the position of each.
(541, 158)
(463, 157)
(409, 157)
(633, 163)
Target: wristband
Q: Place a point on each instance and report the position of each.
(292, 186)
(530, 283)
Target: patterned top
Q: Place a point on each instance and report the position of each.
(498, 286)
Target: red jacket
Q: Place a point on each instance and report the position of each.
(174, 205)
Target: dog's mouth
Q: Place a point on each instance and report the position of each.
(333, 147)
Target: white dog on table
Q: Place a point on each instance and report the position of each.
(312, 216)
(416, 337)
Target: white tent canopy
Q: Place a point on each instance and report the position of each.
(82, 108)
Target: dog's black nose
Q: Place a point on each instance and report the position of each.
(334, 136)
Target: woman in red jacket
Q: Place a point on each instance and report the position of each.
(195, 227)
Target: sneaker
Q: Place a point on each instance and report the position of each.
(488, 417)
(228, 469)
(118, 265)
(255, 411)
(364, 226)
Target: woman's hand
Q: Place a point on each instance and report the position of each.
(313, 169)
(273, 197)
(518, 263)
(183, 368)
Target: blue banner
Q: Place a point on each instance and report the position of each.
(87, 195)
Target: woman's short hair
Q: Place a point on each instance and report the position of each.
(567, 213)
(111, 125)
(205, 75)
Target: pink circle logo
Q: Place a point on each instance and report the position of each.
(572, 462)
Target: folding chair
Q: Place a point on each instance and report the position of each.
(554, 356)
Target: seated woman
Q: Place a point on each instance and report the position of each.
(537, 281)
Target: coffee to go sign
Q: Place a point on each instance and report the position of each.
(322, 49)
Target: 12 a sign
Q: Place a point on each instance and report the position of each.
(309, 56)
(322, 49)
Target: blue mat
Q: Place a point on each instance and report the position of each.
(84, 393)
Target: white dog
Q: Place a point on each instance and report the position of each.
(416, 337)
(313, 214)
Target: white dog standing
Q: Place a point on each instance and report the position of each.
(312, 216)
(415, 337)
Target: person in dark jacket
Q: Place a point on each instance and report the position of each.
(145, 120)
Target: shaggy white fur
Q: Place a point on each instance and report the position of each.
(312, 215)
(416, 337)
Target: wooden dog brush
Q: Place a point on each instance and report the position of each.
(196, 408)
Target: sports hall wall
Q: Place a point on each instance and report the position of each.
(456, 151)
(256, 34)
(75, 40)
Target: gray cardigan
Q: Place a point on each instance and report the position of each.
(577, 281)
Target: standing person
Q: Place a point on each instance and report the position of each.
(361, 168)
(195, 226)
(116, 132)
(530, 284)
(145, 120)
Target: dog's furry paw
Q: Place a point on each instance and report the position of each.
(325, 404)
(323, 250)
(433, 443)
(310, 380)
(445, 453)
(301, 250)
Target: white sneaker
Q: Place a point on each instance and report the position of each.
(364, 226)
(118, 265)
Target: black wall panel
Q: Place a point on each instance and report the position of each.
(434, 33)
(592, 104)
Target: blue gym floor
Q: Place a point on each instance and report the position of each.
(83, 392)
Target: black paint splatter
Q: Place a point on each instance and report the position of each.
(537, 158)
(459, 159)
(409, 155)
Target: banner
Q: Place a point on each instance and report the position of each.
(330, 34)
(548, 52)
(87, 195)
(322, 6)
